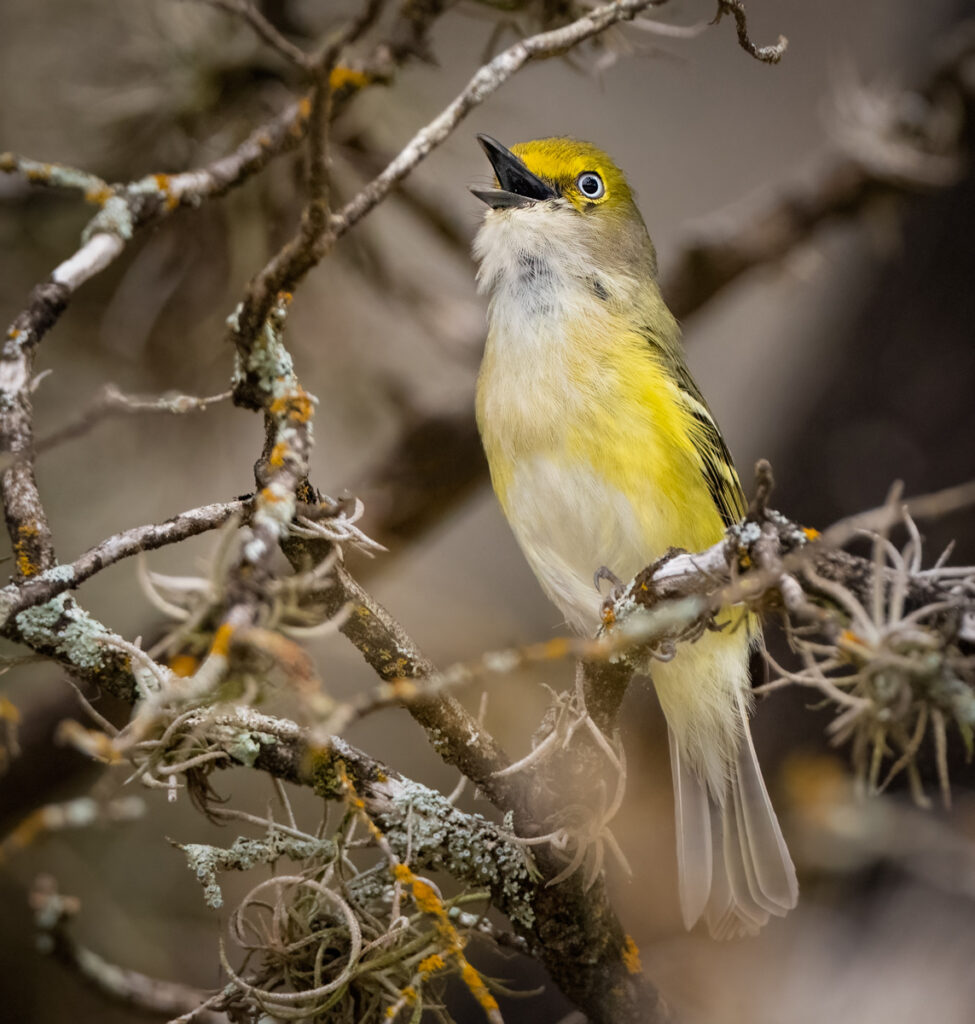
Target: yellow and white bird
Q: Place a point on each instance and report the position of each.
(603, 453)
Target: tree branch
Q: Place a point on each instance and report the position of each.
(885, 152)
(573, 929)
(15, 598)
(249, 14)
(53, 913)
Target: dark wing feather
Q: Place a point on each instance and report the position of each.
(716, 463)
(717, 466)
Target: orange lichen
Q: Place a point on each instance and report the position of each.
(278, 452)
(427, 901)
(304, 108)
(817, 786)
(41, 172)
(810, 532)
(849, 637)
(434, 962)
(163, 184)
(555, 649)
(26, 534)
(348, 78)
(183, 665)
(402, 689)
(476, 987)
(409, 995)
(631, 955)
(221, 640)
(608, 615)
(297, 406)
(269, 495)
(745, 561)
(99, 196)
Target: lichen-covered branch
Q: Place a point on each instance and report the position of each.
(466, 846)
(572, 927)
(15, 598)
(392, 653)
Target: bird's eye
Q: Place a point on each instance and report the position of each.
(591, 185)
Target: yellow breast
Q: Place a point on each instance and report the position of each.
(591, 454)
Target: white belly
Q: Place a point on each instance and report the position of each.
(570, 522)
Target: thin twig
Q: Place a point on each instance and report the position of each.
(265, 30)
(39, 589)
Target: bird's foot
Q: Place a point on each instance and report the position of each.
(605, 573)
(617, 586)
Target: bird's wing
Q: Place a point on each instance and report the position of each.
(715, 460)
(716, 464)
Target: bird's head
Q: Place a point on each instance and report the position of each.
(569, 174)
(563, 200)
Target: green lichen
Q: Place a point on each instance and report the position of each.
(323, 771)
(246, 747)
(61, 626)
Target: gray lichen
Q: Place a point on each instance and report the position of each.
(61, 625)
(246, 747)
(467, 846)
(207, 861)
(114, 218)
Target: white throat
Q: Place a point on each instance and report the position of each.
(538, 270)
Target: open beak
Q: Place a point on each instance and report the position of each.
(519, 187)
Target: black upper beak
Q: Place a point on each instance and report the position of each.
(519, 187)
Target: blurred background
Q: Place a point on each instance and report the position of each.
(849, 363)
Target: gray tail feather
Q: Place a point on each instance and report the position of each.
(734, 867)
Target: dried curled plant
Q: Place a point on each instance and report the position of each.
(896, 670)
(335, 942)
(577, 830)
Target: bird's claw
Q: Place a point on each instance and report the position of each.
(616, 592)
(605, 573)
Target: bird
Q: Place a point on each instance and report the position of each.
(604, 455)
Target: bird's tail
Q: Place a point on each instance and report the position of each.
(734, 867)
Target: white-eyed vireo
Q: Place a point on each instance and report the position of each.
(603, 453)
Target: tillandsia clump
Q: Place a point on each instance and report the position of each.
(331, 941)
(893, 650)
